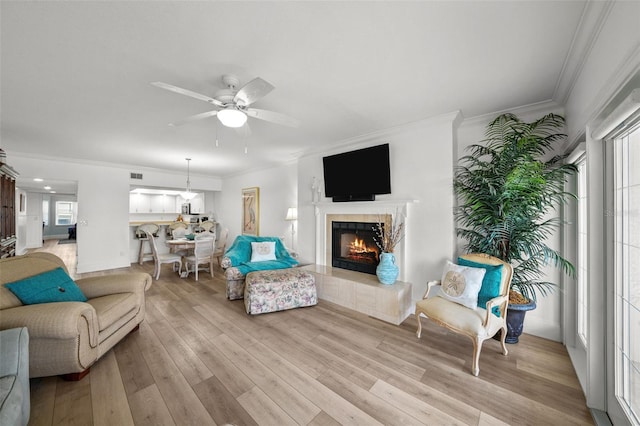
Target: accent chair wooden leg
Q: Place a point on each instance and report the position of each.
(477, 347)
(502, 341)
(419, 331)
(74, 377)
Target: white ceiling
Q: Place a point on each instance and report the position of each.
(75, 76)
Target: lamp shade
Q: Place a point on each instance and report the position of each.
(292, 214)
(232, 117)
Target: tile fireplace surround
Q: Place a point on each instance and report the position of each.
(356, 290)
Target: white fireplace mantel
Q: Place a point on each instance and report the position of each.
(376, 208)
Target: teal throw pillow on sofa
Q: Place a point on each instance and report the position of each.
(48, 287)
(490, 283)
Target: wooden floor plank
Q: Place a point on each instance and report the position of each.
(73, 404)
(149, 408)
(192, 367)
(43, 398)
(223, 406)
(377, 406)
(109, 400)
(181, 400)
(198, 358)
(263, 409)
(419, 409)
(292, 402)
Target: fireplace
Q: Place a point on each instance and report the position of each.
(353, 246)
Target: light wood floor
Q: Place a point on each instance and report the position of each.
(199, 359)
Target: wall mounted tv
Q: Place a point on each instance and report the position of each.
(358, 175)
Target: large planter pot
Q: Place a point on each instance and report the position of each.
(515, 320)
(387, 270)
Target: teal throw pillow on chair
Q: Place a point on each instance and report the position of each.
(490, 283)
(48, 287)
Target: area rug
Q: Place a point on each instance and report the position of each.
(66, 241)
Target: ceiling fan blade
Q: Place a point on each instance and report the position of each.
(187, 93)
(273, 117)
(194, 118)
(252, 91)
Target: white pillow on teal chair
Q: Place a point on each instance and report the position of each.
(263, 251)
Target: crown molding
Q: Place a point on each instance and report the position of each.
(454, 118)
(592, 20)
(535, 108)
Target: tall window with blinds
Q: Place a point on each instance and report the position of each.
(627, 270)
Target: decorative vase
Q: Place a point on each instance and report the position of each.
(515, 320)
(387, 270)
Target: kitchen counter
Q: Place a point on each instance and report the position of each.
(157, 222)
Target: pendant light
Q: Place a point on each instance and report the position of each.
(187, 194)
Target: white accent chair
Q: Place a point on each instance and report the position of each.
(202, 254)
(162, 258)
(478, 324)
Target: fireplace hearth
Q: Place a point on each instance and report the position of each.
(353, 246)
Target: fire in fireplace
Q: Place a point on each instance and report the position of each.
(353, 246)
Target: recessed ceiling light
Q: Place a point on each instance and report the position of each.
(52, 192)
(38, 179)
(47, 187)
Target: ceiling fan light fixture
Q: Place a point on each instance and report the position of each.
(232, 117)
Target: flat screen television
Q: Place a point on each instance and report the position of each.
(358, 175)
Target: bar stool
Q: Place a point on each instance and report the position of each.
(151, 228)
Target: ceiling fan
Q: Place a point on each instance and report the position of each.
(234, 105)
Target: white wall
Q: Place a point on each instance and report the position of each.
(421, 156)
(607, 76)
(103, 204)
(278, 191)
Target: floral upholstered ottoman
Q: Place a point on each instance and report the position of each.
(279, 289)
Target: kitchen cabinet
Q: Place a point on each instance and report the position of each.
(197, 204)
(152, 203)
(139, 203)
(163, 204)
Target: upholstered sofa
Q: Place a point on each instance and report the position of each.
(237, 262)
(66, 338)
(15, 403)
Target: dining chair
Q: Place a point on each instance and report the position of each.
(177, 234)
(161, 258)
(176, 225)
(202, 254)
(221, 244)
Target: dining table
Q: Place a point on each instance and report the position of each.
(180, 244)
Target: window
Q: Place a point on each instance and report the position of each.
(627, 271)
(64, 213)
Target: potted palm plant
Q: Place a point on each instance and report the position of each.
(507, 189)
